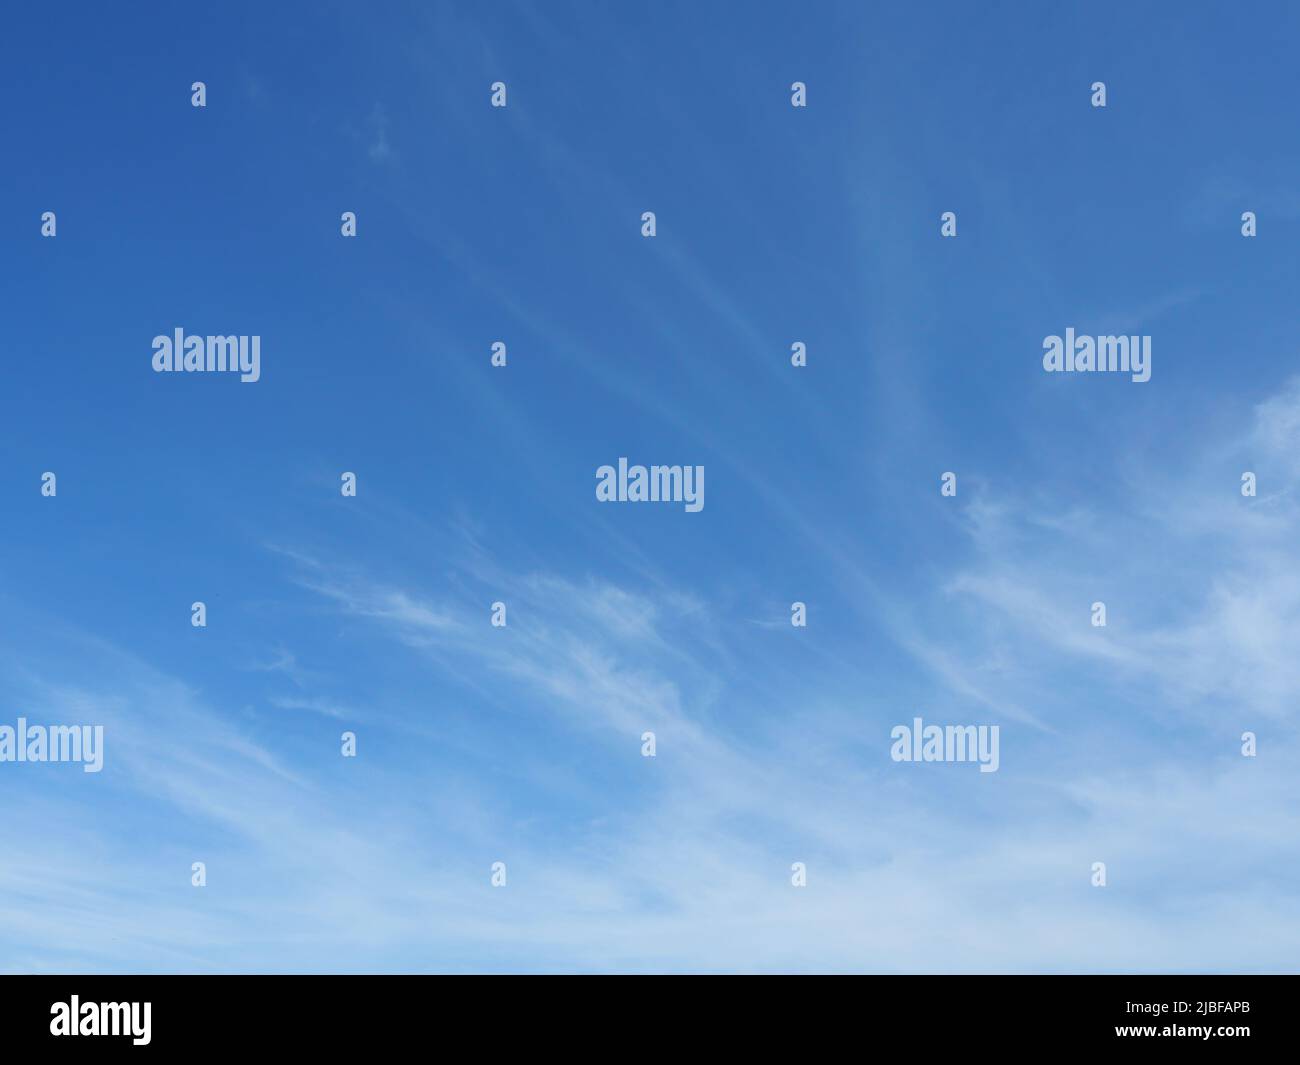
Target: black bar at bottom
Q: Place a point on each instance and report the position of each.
(1221, 1015)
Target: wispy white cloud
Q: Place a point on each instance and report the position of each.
(1201, 590)
(315, 706)
(320, 863)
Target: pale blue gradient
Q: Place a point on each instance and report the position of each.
(476, 484)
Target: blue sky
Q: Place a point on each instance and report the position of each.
(475, 484)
